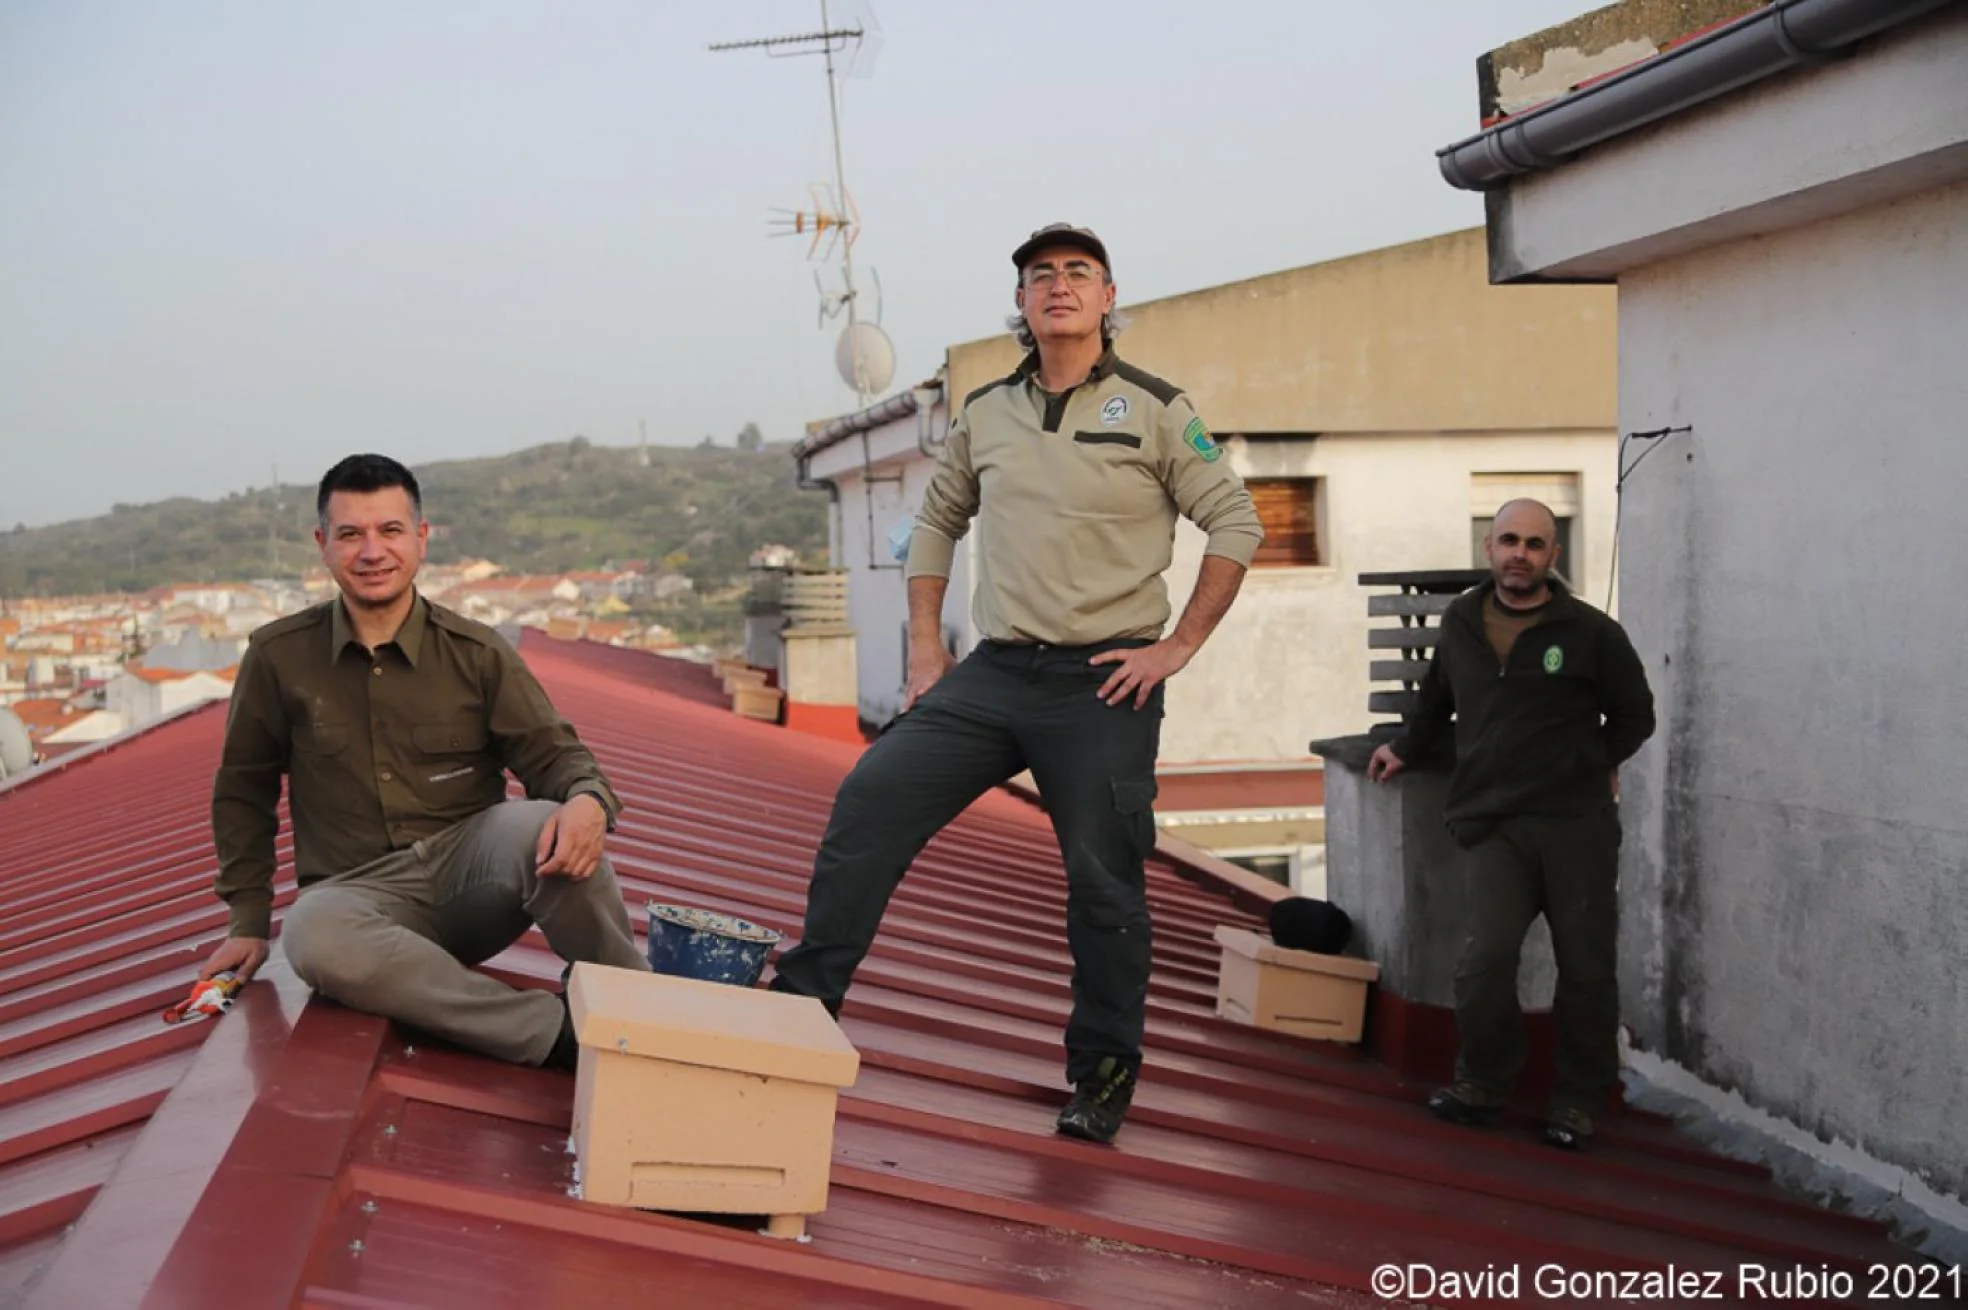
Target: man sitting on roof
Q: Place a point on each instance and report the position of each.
(395, 720)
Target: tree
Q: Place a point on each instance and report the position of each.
(750, 439)
(708, 443)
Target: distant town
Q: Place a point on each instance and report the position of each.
(80, 669)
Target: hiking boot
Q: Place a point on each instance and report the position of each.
(1568, 1128)
(1099, 1103)
(1466, 1104)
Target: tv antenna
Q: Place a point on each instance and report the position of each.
(864, 355)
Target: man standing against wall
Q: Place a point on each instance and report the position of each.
(1076, 466)
(394, 721)
(1548, 698)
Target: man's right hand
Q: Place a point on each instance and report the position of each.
(1385, 764)
(928, 662)
(242, 955)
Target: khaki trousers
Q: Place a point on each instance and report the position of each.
(398, 936)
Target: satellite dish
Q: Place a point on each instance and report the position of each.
(866, 358)
(16, 751)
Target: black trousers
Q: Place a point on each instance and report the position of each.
(1004, 709)
(1566, 868)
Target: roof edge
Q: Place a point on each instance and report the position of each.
(1784, 35)
(1247, 891)
(49, 768)
(137, 1218)
(834, 431)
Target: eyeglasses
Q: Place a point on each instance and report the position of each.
(1078, 273)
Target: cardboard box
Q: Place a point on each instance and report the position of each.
(704, 1097)
(1299, 992)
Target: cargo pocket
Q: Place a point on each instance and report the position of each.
(1134, 801)
(450, 756)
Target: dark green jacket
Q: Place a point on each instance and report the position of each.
(1540, 733)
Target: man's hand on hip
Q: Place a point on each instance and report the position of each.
(570, 843)
(243, 956)
(928, 662)
(1140, 669)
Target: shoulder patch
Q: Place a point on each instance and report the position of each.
(1166, 392)
(1197, 437)
(989, 387)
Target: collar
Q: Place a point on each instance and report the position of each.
(1470, 604)
(409, 638)
(1103, 368)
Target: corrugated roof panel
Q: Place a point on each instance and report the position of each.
(354, 1164)
(106, 860)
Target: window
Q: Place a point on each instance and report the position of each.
(1289, 509)
(1272, 866)
(1489, 491)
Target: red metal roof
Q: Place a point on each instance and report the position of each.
(296, 1153)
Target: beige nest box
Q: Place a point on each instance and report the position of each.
(1300, 992)
(704, 1097)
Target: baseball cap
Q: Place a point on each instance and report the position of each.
(1061, 234)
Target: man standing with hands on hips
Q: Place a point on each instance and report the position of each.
(1075, 466)
(1548, 698)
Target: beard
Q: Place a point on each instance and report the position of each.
(1524, 585)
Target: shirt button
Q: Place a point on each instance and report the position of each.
(386, 775)
(377, 670)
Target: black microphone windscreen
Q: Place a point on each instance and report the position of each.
(1299, 923)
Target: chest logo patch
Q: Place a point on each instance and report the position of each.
(1554, 659)
(1198, 439)
(1113, 411)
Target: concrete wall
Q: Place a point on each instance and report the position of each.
(1412, 338)
(1795, 911)
(1392, 866)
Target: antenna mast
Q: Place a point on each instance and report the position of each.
(844, 222)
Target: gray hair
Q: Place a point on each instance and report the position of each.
(1112, 323)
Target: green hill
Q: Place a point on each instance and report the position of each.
(699, 511)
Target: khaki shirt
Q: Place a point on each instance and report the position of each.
(380, 751)
(1076, 497)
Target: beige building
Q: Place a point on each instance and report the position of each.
(1380, 407)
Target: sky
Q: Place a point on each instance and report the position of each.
(241, 236)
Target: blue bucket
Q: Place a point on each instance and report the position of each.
(706, 945)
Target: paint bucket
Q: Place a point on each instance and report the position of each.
(708, 946)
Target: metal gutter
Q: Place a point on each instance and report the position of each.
(900, 405)
(1786, 34)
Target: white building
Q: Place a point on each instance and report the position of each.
(1783, 204)
(137, 696)
(878, 463)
